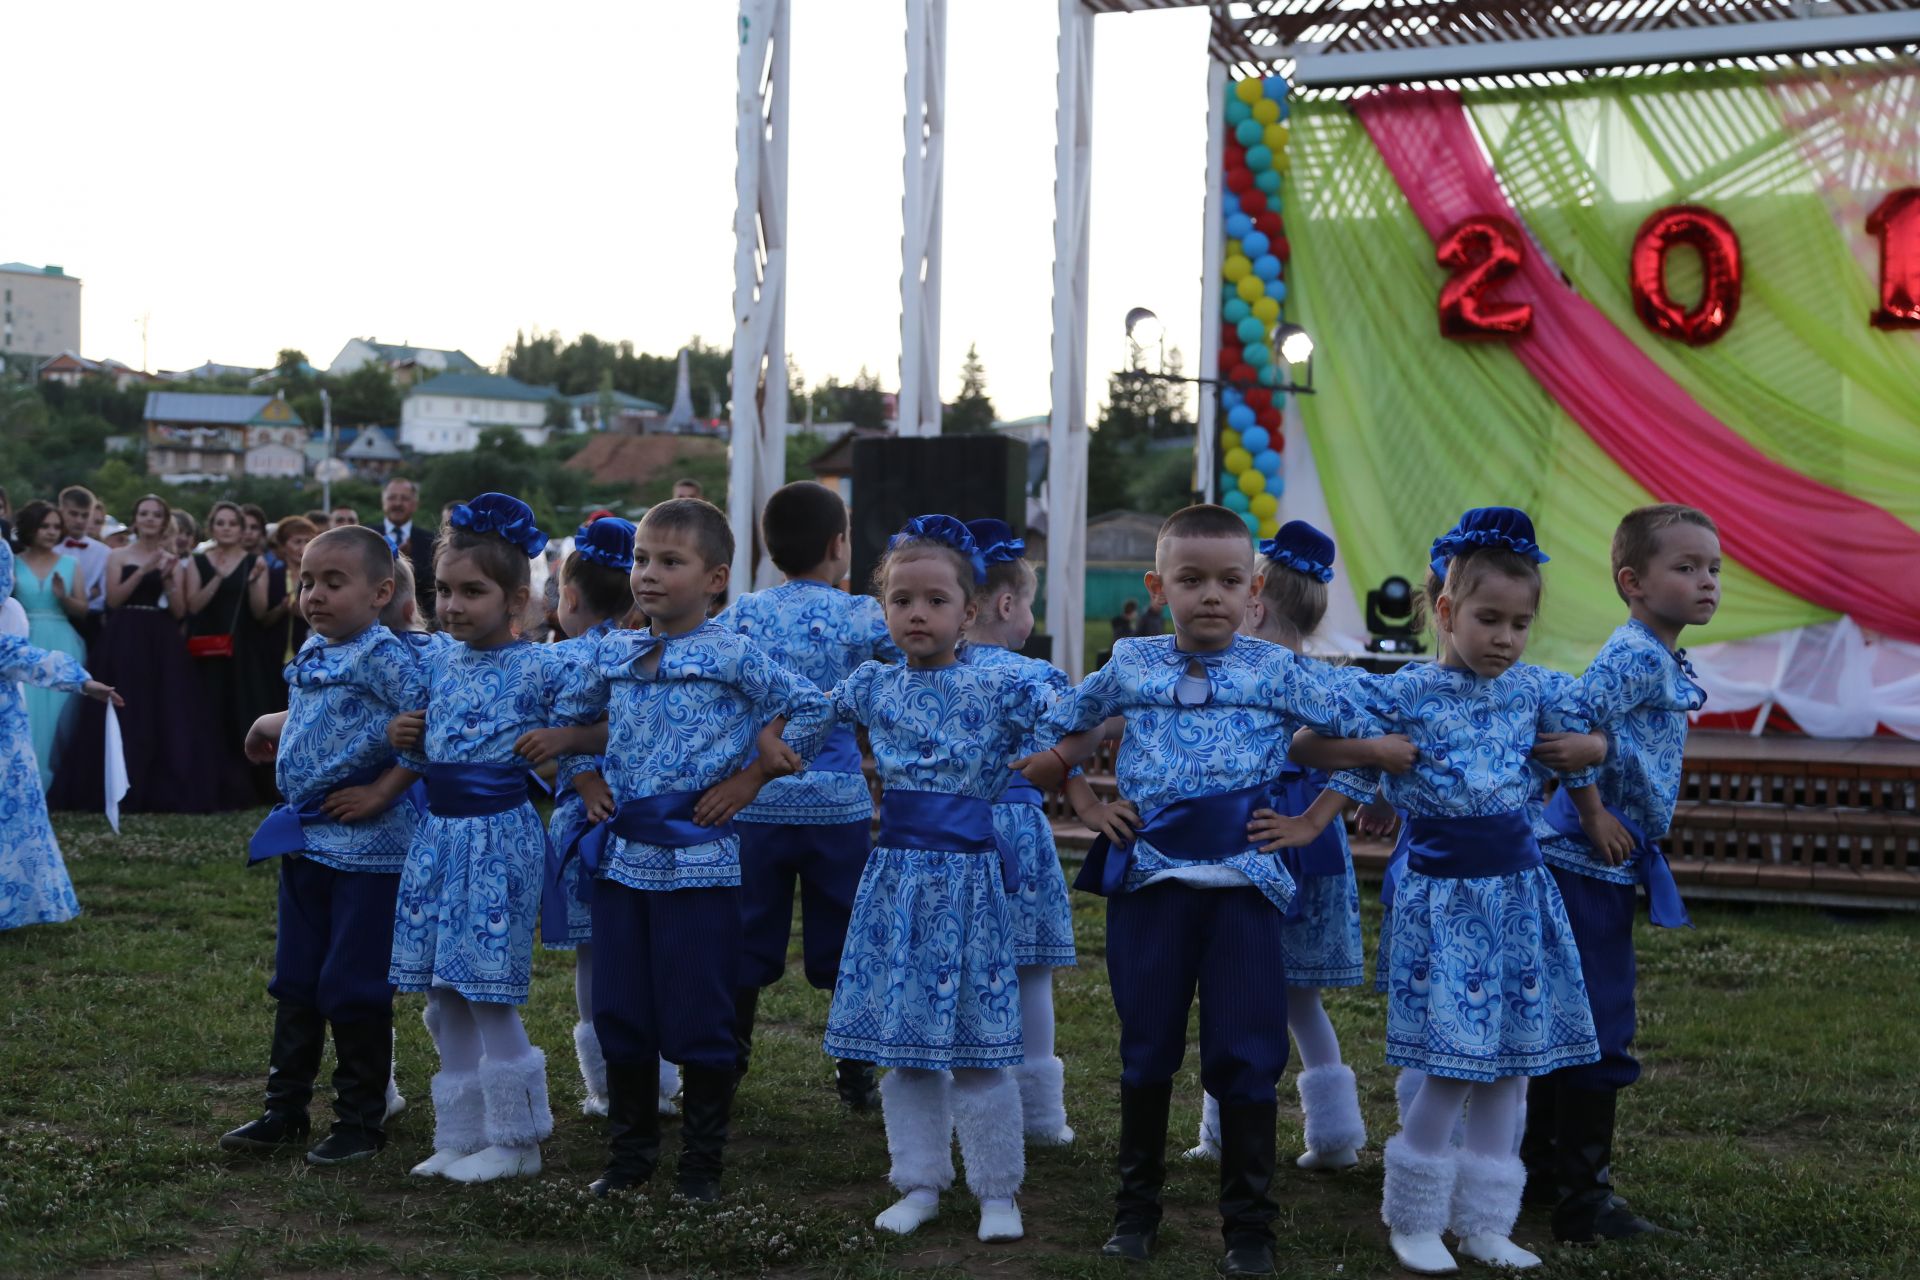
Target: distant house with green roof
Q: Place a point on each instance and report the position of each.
(407, 364)
(195, 436)
(447, 414)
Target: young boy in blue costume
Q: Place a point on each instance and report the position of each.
(342, 836)
(1666, 567)
(684, 701)
(814, 827)
(1209, 715)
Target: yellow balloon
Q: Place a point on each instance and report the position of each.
(1251, 288)
(1229, 439)
(1266, 111)
(1233, 248)
(1237, 461)
(1249, 91)
(1267, 309)
(1280, 162)
(1266, 506)
(1268, 527)
(1275, 136)
(1236, 267)
(1252, 482)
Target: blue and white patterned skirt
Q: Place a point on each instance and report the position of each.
(927, 974)
(572, 890)
(1322, 944)
(1483, 978)
(1041, 914)
(469, 898)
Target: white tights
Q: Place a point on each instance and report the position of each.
(1312, 1029)
(463, 1029)
(1491, 1120)
(1036, 1013)
(583, 981)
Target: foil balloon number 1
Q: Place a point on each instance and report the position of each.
(1895, 222)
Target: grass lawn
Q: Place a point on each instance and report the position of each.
(1778, 1125)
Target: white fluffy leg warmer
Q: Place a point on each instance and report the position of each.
(986, 1119)
(1486, 1195)
(917, 1109)
(1419, 1191)
(1043, 1102)
(517, 1114)
(459, 1117)
(593, 1068)
(1330, 1099)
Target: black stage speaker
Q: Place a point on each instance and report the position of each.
(896, 478)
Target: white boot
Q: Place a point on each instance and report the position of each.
(459, 1121)
(669, 1087)
(1043, 1102)
(395, 1102)
(593, 1069)
(517, 1119)
(987, 1122)
(1330, 1101)
(1486, 1204)
(1208, 1148)
(917, 1109)
(1416, 1205)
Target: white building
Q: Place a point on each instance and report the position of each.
(398, 356)
(39, 311)
(448, 414)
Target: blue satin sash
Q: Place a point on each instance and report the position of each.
(946, 823)
(839, 753)
(665, 820)
(1494, 844)
(1293, 794)
(1195, 829)
(1022, 791)
(1664, 905)
(1396, 862)
(284, 830)
(475, 790)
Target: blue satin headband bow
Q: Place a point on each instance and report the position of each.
(1302, 548)
(607, 541)
(948, 532)
(501, 514)
(996, 541)
(1507, 527)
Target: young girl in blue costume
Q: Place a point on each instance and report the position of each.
(927, 982)
(34, 888)
(1320, 936)
(1484, 986)
(1041, 915)
(470, 891)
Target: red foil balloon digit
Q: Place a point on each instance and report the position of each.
(1719, 248)
(1481, 252)
(1895, 222)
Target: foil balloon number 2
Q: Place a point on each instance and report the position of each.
(1481, 252)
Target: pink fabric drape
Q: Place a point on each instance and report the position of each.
(1803, 536)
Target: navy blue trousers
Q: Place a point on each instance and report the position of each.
(335, 940)
(827, 859)
(1169, 939)
(1602, 915)
(663, 966)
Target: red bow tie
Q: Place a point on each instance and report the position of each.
(80, 543)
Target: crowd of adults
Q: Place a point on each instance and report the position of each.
(191, 620)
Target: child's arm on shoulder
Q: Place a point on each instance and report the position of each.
(263, 739)
(776, 693)
(357, 804)
(1388, 753)
(537, 746)
(1271, 830)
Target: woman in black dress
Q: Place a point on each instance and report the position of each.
(215, 585)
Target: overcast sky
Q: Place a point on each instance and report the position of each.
(262, 176)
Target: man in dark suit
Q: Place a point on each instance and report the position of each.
(399, 501)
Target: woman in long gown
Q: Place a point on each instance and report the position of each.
(47, 585)
(215, 585)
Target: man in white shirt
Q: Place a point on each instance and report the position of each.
(398, 503)
(90, 554)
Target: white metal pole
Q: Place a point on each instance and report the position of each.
(1067, 430)
(326, 464)
(925, 136)
(1212, 237)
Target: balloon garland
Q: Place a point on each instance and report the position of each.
(1251, 409)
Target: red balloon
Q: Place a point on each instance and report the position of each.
(1271, 418)
(1242, 375)
(1252, 200)
(1281, 249)
(1268, 222)
(1259, 398)
(1240, 181)
(1230, 355)
(1895, 222)
(1719, 248)
(1235, 155)
(1481, 252)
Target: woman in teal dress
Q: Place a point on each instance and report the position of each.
(49, 589)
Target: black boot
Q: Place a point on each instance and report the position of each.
(746, 1004)
(1537, 1143)
(705, 1107)
(1247, 1210)
(1143, 1171)
(1588, 1210)
(854, 1081)
(299, 1034)
(363, 1059)
(633, 1125)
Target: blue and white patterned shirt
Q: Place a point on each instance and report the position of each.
(684, 727)
(950, 729)
(578, 652)
(1640, 693)
(479, 701)
(823, 633)
(1049, 683)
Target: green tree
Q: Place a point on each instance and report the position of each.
(1140, 455)
(971, 413)
(860, 402)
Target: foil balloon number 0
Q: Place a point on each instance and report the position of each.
(1481, 252)
(1719, 248)
(1895, 222)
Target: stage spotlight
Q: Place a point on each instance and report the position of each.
(1295, 344)
(1143, 326)
(1391, 624)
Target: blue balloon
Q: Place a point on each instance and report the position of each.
(1239, 226)
(1267, 267)
(1237, 112)
(1279, 399)
(1252, 329)
(1230, 396)
(1250, 131)
(1277, 289)
(1270, 375)
(1230, 202)
(1277, 486)
(1259, 158)
(1268, 182)
(1257, 354)
(1254, 439)
(1268, 462)
(1254, 243)
(1252, 521)
(1277, 205)
(1237, 500)
(1275, 87)
(1240, 417)
(1236, 309)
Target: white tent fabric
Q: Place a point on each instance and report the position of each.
(1834, 679)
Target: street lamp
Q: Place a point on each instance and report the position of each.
(1293, 344)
